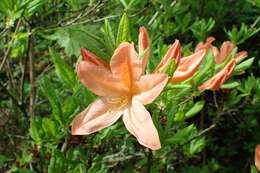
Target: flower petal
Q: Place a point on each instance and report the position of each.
(89, 56)
(99, 79)
(206, 45)
(94, 118)
(226, 49)
(138, 122)
(240, 56)
(150, 86)
(125, 64)
(216, 81)
(188, 66)
(144, 46)
(173, 53)
(257, 157)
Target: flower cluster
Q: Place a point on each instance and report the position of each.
(124, 89)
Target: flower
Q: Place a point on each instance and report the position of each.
(218, 79)
(257, 157)
(174, 53)
(220, 54)
(144, 46)
(123, 91)
(188, 66)
(185, 67)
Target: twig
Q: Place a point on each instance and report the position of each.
(10, 43)
(31, 74)
(64, 146)
(200, 134)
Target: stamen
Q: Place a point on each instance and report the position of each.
(117, 102)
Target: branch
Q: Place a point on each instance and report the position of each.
(31, 74)
(9, 46)
(200, 134)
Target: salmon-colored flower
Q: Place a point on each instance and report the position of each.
(218, 79)
(257, 157)
(188, 66)
(225, 51)
(174, 53)
(206, 45)
(144, 46)
(185, 67)
(220, 55)
(123, 90)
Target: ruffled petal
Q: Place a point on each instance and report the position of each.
(91, 57)
(139, 123)
(206, 45)
(99, 79)
(216, 81)
(144, 46)
(188, 66)
(240, 56)
(173, 53)
(150, 86)
(125, 64)
(226, 49)
(94, 118)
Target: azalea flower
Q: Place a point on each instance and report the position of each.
(218, 79)
(144, 46)
(185, 67)
(188, 66)
(123, 91)
(257, 157)
(220, 54)
(174, 53)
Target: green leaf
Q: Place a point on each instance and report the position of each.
(179, 116)
(197, 107)
(49, 127)
(51, 94)
(36, 131)
(63, 70)
(109, 37)
(177, 86)
(196, 146)
(243, 66)
(57, 163)
(123, 33)
(70, 106)
(230, 85)
(182, 135)
(253, 169)
(97, 166)
(3, 159)
(73, 38)
(24, 170)
(206, 69)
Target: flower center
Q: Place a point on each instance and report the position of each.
(117, 102)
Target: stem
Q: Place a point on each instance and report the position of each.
(149, 161)
(31, 74)
(9, 46)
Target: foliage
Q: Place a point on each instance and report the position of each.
(213, 131)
